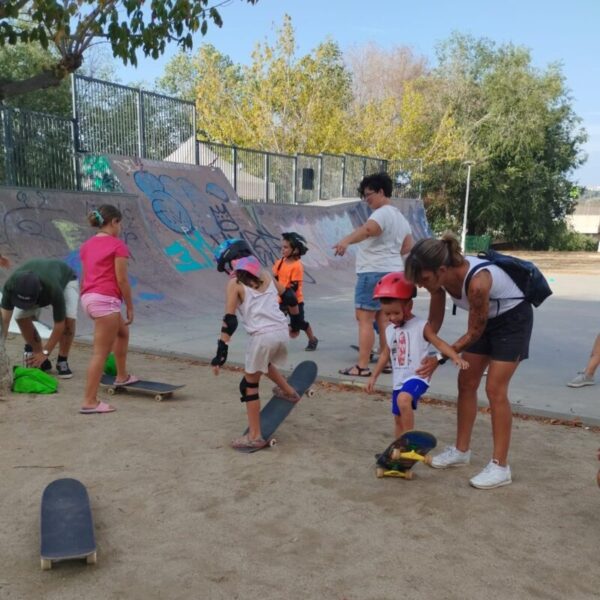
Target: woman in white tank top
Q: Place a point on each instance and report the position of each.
(498, 334)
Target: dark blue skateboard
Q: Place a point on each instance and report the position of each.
(403, 454)
(277, 409)
(67, 527)
(155, 388)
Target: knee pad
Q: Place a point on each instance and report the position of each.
(244, 385)
(288, 298)
(304, 325)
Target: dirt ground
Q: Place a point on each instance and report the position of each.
(179, 515)
(574, 263)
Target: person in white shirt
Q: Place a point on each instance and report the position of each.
(498, 333)
(408, 340)
(382, 241)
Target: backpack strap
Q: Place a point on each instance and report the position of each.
(474, 270)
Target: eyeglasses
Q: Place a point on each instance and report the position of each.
(366, 196)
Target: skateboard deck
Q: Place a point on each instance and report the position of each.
(155, 388)
(277, 409)
(67, 527)
(373, 356)
(402, 454)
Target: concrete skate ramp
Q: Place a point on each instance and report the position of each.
(173, 217)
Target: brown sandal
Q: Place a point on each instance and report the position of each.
(360, 372)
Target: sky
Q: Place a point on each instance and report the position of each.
(553, 30)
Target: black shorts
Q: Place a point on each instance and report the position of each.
(284, 309)
(506, 337)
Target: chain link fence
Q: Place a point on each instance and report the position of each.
(52, 152)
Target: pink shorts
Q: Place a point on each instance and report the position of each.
(99, 305)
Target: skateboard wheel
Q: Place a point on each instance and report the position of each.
(408, 474)
(379, 472)
(91, 559)
(158, 397)
(111, 391)
(310, 393)
(272, 442)
(46, 564)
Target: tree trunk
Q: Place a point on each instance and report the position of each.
(5, 375)
(41, 81)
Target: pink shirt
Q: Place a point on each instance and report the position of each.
(98, 260)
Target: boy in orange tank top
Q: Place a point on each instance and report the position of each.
(289, 271)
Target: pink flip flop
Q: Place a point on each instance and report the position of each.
(130, 379)
(100, 408)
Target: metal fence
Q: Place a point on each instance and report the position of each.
(116, 119)
(36, 150)
(45, 151)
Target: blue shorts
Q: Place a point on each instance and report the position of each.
(415, 387)
(363, 292)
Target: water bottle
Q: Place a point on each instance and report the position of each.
(27, 354)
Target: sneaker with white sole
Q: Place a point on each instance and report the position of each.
(492, 476)
(62, 368)
(580, 380)
(451, 457)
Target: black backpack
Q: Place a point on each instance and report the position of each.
(528, 278)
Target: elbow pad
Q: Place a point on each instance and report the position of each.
(289, 298)
(231, 324)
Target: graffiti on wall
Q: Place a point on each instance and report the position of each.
(97, 174)
(199, 235)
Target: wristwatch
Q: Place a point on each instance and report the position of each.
(441, 358)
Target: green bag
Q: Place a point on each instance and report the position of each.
(33, 381)
(110, 366)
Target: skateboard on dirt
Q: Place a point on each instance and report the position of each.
(277, 409)
(373, 356)
(400, 456)
(155, 388)
(67, 528)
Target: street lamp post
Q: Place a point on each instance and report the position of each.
(463, 239)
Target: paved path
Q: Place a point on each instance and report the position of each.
(564, 330)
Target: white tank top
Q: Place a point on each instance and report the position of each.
(408, 348)
(504, 293)
(259, 312)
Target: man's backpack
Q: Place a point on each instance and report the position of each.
(528, 278)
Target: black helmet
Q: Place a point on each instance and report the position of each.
(297, 242)
(229, 250)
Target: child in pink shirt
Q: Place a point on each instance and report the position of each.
(104, 288)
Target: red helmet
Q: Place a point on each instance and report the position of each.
(395, 285)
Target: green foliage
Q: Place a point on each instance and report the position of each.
(22, 61)
(567, 240)
(130, 26)
(520, 129)
(280, 102)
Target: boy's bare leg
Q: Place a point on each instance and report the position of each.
(594, 361)
(278, 379)
(407, 414)
(309, 333)
(30, 334)
(66, 339)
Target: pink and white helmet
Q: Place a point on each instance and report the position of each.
(249, 264)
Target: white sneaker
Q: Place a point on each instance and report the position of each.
(492, 476)
(451, 457)
(580, 380)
